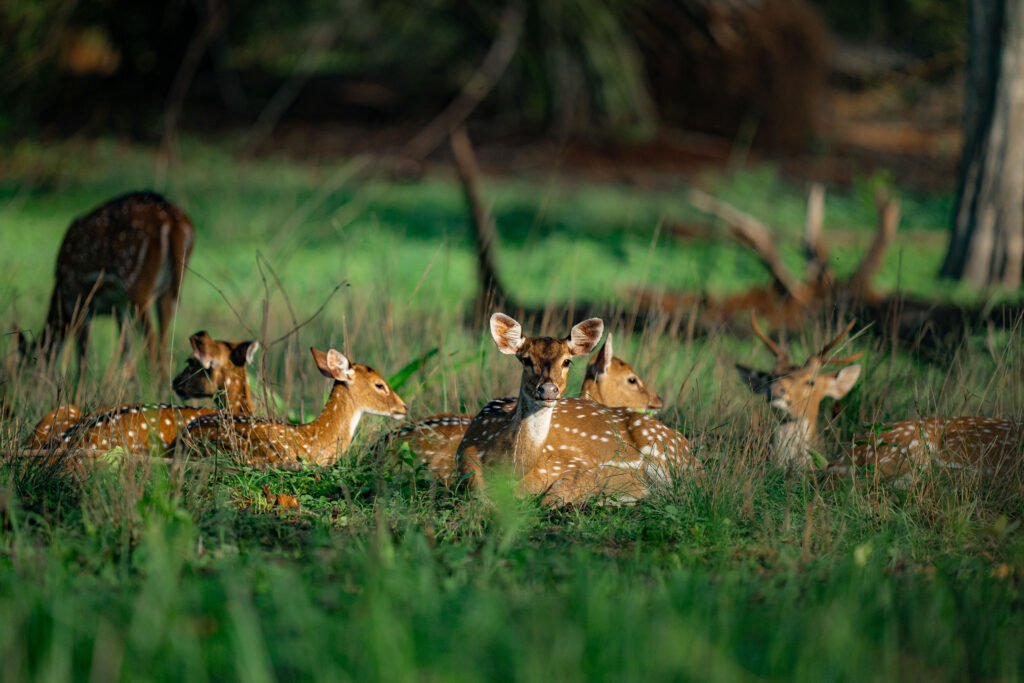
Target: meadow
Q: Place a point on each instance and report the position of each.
(143, 571)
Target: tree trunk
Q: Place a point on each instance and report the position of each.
(987, 244)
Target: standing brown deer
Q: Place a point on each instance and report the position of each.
(119, 259)
(567, 450)
(609, 380)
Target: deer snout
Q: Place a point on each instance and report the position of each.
(400, 411)
(655, 403)
(547, 392)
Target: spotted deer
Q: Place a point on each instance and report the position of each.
(566, 450)
(899, 450)
(216, 369)
(609, 380)
(357, 389)
(796, 393)
(119, 259)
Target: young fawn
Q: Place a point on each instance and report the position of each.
(609, 380)
(566, 450)
(121, 258)
(216, 369)
(796, 391)
(357, 389)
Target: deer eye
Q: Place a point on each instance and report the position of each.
(631, 380)
(379, 385)
(810, 382)
(527, 362)
(567, 362)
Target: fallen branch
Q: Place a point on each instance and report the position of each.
(755, 235)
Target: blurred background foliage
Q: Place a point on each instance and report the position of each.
(615, 69)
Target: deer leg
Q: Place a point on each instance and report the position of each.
(82, 345)
(164, 312)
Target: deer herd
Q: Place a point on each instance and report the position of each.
(604, 446)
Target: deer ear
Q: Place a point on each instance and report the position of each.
(603, 360)
(839, 384)
(507, 333)
(203, 347)
(244, 353)
(757, 381)
(584, 336)
(333, 364)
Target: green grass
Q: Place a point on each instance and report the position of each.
(144, 572)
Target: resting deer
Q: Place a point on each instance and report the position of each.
(796, 392)
(898, 449)
(609, 381)
(357, 389)
(216, 369)
(566, 450)
(120, 259)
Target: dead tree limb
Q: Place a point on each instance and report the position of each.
(818, 270)
(859, 284)
(479, 85)
(753, 234)
(491, 294)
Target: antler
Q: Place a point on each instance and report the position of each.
(833, 343)
(781, 355)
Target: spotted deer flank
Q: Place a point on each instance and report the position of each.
(796, 393)
(123, 257)
(216, 369)
(901, 449)
(609, 380)
(567, 450)
(47, 432)
(357, 389)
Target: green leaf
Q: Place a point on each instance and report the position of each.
(402, 376)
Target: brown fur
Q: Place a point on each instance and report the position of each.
(261, 442)
(123, 257)
(569, 450)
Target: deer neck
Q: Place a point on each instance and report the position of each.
(335, 427)
(794, 439)
(533, 424)
(591, 391)
(235, 396)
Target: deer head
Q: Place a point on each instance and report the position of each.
(370, 393)
(796, 391)
(216, 368)
(546, 361)
(613, 382)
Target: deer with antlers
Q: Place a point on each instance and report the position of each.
(609, 380)
(567, 450)
(216, 369)
(119, 259)
(796, 391)
(357, 389)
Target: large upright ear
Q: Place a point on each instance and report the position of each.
(758, 381)
(333, 364)
(204, 348)
(507, 333)
(603, 360)
(244, 353)
(584, 336)
(839, 384)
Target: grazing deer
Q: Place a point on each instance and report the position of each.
(119, 259)
(609, 381)
(216, 369)
(357, 389)
(796, 391)
(899, 449)
(566, 450)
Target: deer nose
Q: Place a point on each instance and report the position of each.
(547, 392)
(656, 403)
